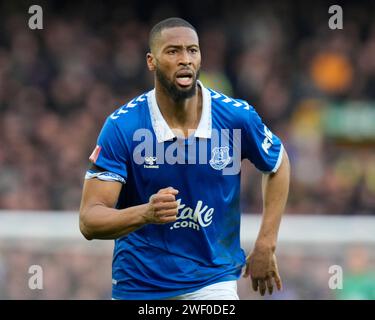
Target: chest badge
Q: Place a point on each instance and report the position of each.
(220, 158)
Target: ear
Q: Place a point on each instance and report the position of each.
(150, 61)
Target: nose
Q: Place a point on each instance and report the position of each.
(185, 58)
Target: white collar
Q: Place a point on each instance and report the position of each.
(163, 131)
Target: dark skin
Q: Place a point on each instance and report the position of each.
(261, 264)
(176, 54)
(177, 49)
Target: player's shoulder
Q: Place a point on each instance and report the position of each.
(227, 103)
(228, 106)
(131, 109)
(129, 116)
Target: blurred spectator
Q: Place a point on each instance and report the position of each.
(359, 276)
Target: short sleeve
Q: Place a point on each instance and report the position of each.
(263, 148)
(110, 154)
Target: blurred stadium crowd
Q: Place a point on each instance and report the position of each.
(72, 272)
(57, 86)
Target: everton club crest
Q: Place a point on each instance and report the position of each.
(220, 158)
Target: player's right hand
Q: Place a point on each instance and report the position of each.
(162, 206)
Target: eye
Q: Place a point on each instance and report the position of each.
(172, 51)
(193, 50)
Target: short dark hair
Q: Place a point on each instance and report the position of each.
(166, 24)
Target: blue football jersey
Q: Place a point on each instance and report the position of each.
(137, 148)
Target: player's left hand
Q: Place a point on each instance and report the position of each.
(261, 266)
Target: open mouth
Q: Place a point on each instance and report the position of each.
(184, 78)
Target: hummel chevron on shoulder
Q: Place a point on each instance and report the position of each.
(224, 98)
(131, 104)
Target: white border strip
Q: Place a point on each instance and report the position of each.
(279, 159)
(296, 229)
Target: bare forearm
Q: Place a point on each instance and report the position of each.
(275, 188)
(101, 222)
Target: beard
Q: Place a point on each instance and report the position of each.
(174, 92)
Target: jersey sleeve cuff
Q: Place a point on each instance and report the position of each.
(279, 159)
(104, 176)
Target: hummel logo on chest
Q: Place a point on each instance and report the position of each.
(150, 163)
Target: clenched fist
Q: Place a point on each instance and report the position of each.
(162, 206)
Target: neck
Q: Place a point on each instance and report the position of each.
(182, 115)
